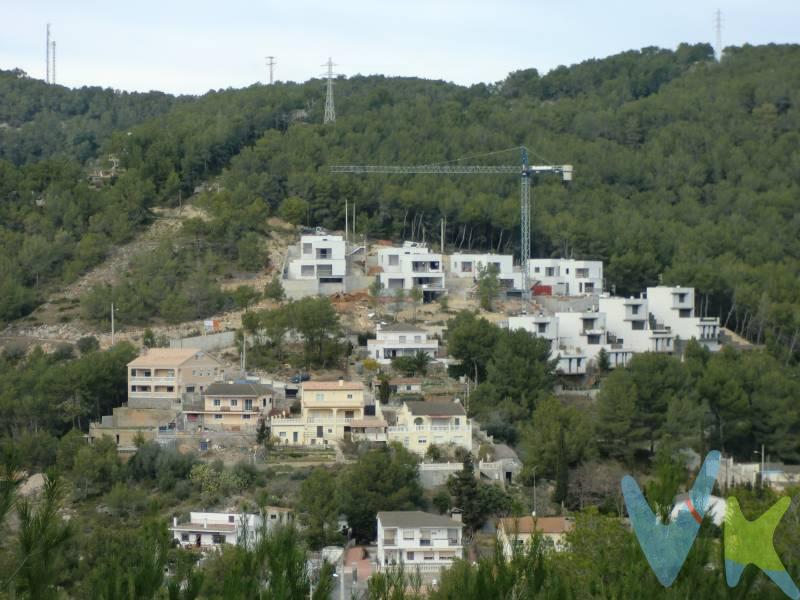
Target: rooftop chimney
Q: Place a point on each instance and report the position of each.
(205, 522)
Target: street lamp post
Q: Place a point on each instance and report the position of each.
(534, 491)
(761, 472)
(113, 310)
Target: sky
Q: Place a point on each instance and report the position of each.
(191, 46)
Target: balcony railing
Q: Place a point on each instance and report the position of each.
(140, 379)
(426, 428)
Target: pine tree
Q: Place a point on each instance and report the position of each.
(464, 488)
(562, 470)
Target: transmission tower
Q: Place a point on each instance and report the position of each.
(47, 58)
(53, 58)
(718, 30)
(270, 63)
(330, 113)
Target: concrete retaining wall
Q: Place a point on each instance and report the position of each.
(210, 342)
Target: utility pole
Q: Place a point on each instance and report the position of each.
(441, 237)
(330, 112)
(47, 58)
(113, 310)
(346, 226)
(534, 492)
(718, 29)
(270, 63)
(53, 58)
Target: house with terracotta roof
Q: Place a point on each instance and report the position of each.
(228, 406)
(516, 533)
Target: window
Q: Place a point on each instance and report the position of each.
(541, 327)
(216, 402)
(638, 325)
(685, 313)
(635, 309)
(218, 538)
(402, 339)
(282, 434)
(588, 287)
(189, 389)
(593, 339)
(550, 271)
(306, 248)
(394, 260)
(307, 270)
(466, 267)
(457, 421)
(427, 556)
(423, 441)
(681, 298)
(349, 396)
(246, 417)
(234, 403)
(319, 396)
(230, 518)
(184, 537)
(408, 534)
(217, 417)
(409, 556)
(417, 338)
(248, 404)
(581, 273)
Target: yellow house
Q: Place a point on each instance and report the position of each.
(230, 407)
(420, 424)
(328, 409)
(517, 532)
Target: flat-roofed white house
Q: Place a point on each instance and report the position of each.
(516, 533)
(674, 307)
(469, 266)
(159, 377)
(415, 538)
(328, 412)
(212, 530)
(422, 424)
(631, 327)
(576, 339)
(567, 276)
(412, 265)
(321, 257)
(400, 339)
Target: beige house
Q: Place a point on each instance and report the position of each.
(420, 424)
(328, 409)
(517, 532)
(159, 377)
(229, 406)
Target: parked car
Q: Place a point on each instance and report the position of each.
(300, 377)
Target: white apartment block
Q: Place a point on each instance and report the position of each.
(674, 307)
(567, 276)
(422, 424)
(629, 321)
(321, 258)
(212, 530)
(329, 410)
(413, 265)
(400, 339)
(470, 265)
(418, 539)
(159, 377)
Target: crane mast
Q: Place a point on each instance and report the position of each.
(525, 170)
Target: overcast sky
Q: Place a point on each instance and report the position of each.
(190, 46)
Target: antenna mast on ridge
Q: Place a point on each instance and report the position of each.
(330, 112)
(47, 56)
(718, 29)
(270, 63)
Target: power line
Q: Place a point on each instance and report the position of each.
(270, 63)
(330, 112)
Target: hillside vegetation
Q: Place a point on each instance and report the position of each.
(686, 172)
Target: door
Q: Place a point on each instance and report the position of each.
(319, 431)
(197, 540)
(248, 404)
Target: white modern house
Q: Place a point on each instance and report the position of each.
(631, 327)
(422, 424)
(212, 530)
(412, 265)
(567, 276)
(576, 338)
(400, 339)
(469, 266)
(674, 307)
(418, 539)
(321, 257)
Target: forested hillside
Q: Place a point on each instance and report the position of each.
(686, 171)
